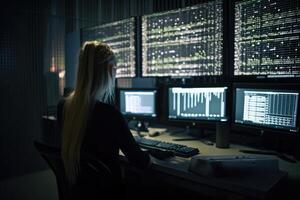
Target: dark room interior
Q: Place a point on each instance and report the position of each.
(206, 90)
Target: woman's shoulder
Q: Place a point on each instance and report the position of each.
(108, 108)
(61, 103)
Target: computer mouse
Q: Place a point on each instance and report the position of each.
(154, 134)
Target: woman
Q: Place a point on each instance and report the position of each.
(89, 123)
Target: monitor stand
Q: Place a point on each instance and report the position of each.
(201, 135)
(141, 126)
(181, 131)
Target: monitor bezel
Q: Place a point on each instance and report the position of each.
(137, 116)
(257, 129)
(209, 123)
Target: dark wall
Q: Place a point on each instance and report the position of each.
(22, 86)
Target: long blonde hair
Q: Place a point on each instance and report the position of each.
(94, 82)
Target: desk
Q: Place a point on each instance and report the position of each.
(175, 171)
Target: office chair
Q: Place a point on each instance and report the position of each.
(94, 180)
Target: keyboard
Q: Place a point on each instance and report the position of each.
(177, 149)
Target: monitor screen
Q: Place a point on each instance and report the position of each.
(267, 107)
(138, 102)
(183, 42)
(203, 103)
(120, 35)
(267, 40)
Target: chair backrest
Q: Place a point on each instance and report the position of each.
(93, 178)
(51, 135)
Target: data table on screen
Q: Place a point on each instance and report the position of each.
(273, 108)
(183, 42)
(267, 38)
(120, 36)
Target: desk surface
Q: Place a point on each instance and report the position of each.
(251, 186)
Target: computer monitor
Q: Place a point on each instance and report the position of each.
(138, 104)
(184, 42)
(197, 103)
(121, 36)
(267, 108)
(266, 43)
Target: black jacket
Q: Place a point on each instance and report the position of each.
(107, 132)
